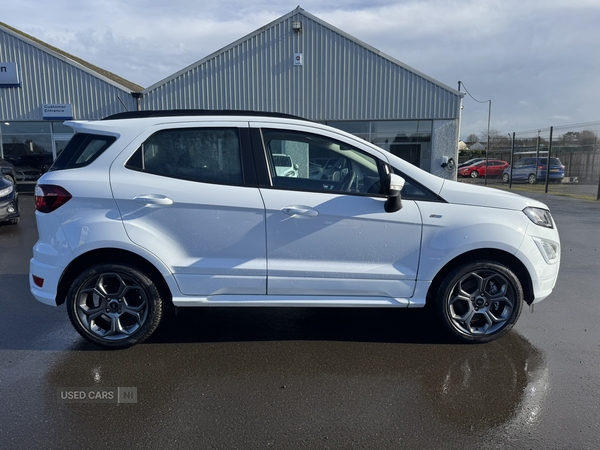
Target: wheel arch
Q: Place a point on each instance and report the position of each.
(110, 255)
(500, 256)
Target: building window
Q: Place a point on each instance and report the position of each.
(29, 145)
(407, 139)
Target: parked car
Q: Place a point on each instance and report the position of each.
(146, 210)
(9, 201)
(8, 170)
(27, 173)
(470, 162)
(284, 167)
(22, 154)
(532, 170)
(494, 167)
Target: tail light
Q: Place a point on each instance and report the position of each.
(49, 197)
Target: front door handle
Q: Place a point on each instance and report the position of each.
(300, 211)
(153, 200)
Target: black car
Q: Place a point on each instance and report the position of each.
(9, 201)
(7, 170)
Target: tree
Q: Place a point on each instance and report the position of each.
(497, 139)
(472, 138)
(570, 138)
(588, 137)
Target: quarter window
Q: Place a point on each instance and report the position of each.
(208, 155)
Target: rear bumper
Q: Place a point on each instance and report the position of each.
(49, 275)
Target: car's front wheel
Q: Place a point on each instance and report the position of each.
(114, 306)
(532, 179)
(505, 178)
(474, 174)
(480, 301)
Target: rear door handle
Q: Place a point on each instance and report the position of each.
(153, 200)
(300, 211)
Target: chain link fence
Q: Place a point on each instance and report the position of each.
(575, 146)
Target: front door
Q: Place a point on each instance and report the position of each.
(329, 235)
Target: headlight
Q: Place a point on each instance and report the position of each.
(6, 191)
(539, 216)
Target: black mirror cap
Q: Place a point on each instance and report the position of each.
(394, 185)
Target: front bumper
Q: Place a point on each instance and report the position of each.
(9, 210)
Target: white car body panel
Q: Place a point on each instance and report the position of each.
(348, 246)
(233, 245)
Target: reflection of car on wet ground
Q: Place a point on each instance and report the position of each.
(9, 202)
(532, 170)
(493, 168)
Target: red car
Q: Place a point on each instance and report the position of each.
(495, 167)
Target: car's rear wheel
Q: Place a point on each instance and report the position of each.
(505, 177)
(474, 174)
(114, 306)
(532, 179)
(480, 301)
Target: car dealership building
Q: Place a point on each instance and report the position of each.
(297, 64)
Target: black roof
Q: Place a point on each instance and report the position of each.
(197, 112)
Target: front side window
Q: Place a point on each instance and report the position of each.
(312, 162)
(209, 155)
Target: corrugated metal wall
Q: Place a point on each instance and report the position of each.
(47, 78)
(340, 79)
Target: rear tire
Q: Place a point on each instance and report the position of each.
(114, 306)
(532, 179)
(479, 301)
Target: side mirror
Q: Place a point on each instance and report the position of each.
(394, 185)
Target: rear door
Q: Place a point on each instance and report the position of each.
(187, 193)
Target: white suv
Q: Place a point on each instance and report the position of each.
(149, 209)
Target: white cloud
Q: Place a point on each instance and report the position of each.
(535, 59)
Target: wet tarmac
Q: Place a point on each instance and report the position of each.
(307, 378)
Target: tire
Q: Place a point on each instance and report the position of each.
(532, 179)
(474, 174)
(114, 306)
(505, 178)
(479, 301)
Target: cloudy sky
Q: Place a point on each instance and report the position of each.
(536, 60)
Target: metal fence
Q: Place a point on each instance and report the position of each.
(577, 147)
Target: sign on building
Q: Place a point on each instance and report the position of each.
(9, 75)
(57, 111)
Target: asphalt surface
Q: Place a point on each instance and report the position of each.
(307, 378)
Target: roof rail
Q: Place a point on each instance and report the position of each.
(196, 112)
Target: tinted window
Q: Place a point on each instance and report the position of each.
(82, 149)
(197, 154)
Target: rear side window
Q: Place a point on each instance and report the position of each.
(82, 149)
(209, 155)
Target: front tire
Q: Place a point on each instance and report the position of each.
(114, 306)
(480, 301)
(474, 174)
(532, 179)
(505, 178)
